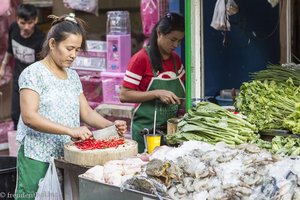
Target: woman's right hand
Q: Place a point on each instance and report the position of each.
(81, 133)
(167, 97)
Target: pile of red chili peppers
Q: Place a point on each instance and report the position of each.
(91, 144)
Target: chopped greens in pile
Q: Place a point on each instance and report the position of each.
(211, 123)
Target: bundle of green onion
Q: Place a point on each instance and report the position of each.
(279, 73)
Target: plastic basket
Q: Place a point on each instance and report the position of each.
(111, 85)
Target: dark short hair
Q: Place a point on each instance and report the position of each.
(26, 12)
(60, 30)
(170, 22)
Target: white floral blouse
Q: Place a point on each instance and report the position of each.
(59, 102)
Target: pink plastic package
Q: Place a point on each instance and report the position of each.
(13, 144)
(5, 127)
(4, 7)
(92, 89)
(149, 14)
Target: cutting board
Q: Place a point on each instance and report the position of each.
(99, 156)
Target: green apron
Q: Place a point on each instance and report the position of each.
(29, 174)
(143, 116)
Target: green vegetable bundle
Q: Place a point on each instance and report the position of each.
(211, 123)
(292, 122)
(280, 145)
(267, 103)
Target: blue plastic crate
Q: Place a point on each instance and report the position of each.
(224, 102)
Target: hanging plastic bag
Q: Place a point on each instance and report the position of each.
(231, 7)
(220, 18)
(49, 187)
(90, 6)
(149, 14)
(273, 2)
(5, 8)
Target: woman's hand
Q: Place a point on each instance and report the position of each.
(81, 133)
(167, 97)
(121, 127)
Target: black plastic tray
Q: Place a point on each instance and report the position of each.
(279, 132)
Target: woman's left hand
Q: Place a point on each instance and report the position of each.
(121, 127)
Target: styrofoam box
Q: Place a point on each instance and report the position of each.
(93, 59)
(111, 85)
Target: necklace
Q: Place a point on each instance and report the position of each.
(61, 74)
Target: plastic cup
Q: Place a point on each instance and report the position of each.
(172, 125)
(152, 142)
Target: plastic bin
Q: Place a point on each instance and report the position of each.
(8, 174)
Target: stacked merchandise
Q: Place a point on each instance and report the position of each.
(7, 16)
(89, 65)
(118, 54)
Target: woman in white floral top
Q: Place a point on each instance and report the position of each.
(53, 104)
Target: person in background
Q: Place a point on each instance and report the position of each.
(24, 44)
(53, 104)
(154, 77)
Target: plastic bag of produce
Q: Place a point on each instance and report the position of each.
(49, 187)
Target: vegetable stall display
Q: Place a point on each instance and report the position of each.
(211, 123)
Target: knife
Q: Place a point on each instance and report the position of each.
(105, 133)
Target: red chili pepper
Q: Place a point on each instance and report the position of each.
(91, 144)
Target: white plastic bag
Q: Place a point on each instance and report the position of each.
(49, 187)
(220, 17)
(273, 2)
